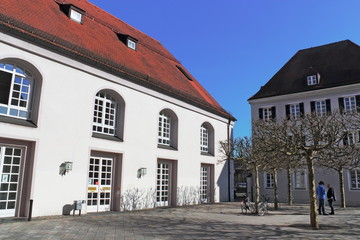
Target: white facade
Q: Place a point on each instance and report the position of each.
(63, 106)
(299, 180)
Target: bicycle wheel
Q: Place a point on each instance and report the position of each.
(261, 209)
(252, 207)
(242, 207)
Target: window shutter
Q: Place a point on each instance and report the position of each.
(341, 104)
(273, 112)
(301, 105)
(287, 111)
(357, 97)
(261, 116)
(312, 107)
(345, 139)
(328, 106)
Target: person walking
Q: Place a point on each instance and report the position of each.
(331, 198)
(321, 194)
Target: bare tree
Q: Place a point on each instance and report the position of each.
(313, 135)
(278, 153)
(344, 152)
(307, 140)
(250, 157)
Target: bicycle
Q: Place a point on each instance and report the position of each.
(263, 205)
(247, 206)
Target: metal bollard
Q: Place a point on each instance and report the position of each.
(30, 209)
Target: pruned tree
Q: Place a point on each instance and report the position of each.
(249, 156)
(307, 140)
(312, 135)
(343, 153)
(278, 154)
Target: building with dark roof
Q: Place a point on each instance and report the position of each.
(93, 109)
(318, 79)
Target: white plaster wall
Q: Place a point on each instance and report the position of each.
(64, 131)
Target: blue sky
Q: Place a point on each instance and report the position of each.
(233, 47)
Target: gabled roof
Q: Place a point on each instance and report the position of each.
(337, 64)
(96, 42)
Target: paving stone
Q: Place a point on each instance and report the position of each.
(216, 221)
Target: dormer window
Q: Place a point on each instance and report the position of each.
(129, 41)
(312, 80)
(184, 72)
(131, 44)
(75, 15)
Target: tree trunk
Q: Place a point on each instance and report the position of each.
(342, 189)
(276, 192)
(312, 196)
(257, 189)
(290, 197)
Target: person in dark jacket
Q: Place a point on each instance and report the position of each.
(331, 198)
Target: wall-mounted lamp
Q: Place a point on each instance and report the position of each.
(65, 167)
(141, 172)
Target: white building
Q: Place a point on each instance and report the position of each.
(81, 89)
(319, 79)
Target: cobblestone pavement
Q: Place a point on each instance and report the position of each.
(216, 221)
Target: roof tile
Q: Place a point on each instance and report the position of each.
(96, 40)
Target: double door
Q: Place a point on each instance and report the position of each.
(100, 184)
(10, 162)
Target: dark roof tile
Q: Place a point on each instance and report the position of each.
(337, 64)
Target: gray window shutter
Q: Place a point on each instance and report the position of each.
(341, 104)
(312, 107)
(301, 105)
(261, 116)
(273, 112)
(328, 106)
(287, 111)
(357, 97)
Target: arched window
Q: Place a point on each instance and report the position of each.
(15, 91)
(167, 129)
(20, 88)
(204, 138)
(108, 119)
(207, 139)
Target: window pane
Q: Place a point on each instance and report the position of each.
(5, 85)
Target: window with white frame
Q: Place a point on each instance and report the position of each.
(204, 138)
(320, 108)
(351, 138)
(311, 80)
(267, 113)
(75, 15)
(269, 180)
(349, 104)
(104, 120)
(131, 44)
(204, 184)
(167, 129)
(164, 131)
(300, 179)
(295, 110)
(15, 90)
(355, 178)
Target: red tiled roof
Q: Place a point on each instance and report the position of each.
(96, 42)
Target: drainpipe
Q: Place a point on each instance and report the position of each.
(30, 209)
(228, 161)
